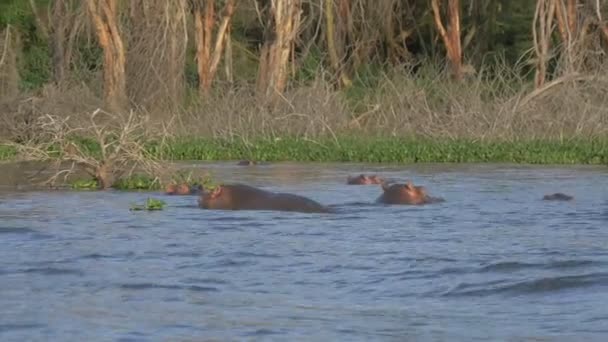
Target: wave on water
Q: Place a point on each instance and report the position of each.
(508, 266)
(14, 230)
(148, 286)
(533, 286)
(46, 271)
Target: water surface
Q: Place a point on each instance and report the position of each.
(493, 262)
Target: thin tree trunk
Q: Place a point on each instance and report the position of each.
(58, 52)
(274, 56)
(567, 24)
(451, 35)
(65, 22)
(542, 28)
(104, 14)
(228, 57)
(603, 25)
(208, 57)
(330, 30)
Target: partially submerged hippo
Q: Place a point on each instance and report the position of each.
(245, 197)
(406, 194)
(364, 180)
(558, 196)
(249, 163)
(183, 189)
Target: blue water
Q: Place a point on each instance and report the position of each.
(493, 262)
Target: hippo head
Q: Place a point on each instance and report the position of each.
(405, 193)
(364, 180)
(246, 163)
(219, 197)
(177, 189)
(558, 197)
(183, 189)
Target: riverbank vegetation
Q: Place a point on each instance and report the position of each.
(306, 80)
(382, 150)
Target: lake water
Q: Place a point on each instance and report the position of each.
(492, 262)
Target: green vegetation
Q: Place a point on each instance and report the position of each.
(392, 150)
(85, 184)
(370, 150)
(7, 152)
(137, 182)
(150, 204)
(133, 182)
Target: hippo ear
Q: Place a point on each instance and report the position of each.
(409, 185)
(217, 191)
(384, 186)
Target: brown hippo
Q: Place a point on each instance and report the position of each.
(405, 194)
(245, 197)
(558, 196)
(364, 180)
(183, 189)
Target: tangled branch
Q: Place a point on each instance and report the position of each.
(107, 148)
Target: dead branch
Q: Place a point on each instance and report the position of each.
(120, 139)
(548, 86)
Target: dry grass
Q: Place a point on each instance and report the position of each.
(503, 106)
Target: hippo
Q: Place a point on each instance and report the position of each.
(249, 163)
(183, 189)
(363, 180)
(406, 194)
(245, 197)
(558, 196)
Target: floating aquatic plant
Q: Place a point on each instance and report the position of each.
(150, 204)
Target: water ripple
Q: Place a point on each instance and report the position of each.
(148, 286)
(541, 285)
(509, 266)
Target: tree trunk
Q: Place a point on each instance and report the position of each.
(58, 53)
(65, 22)
(542, 28)
(208, 57)
(275, 53)
(330, 30)
(9, 73)
(104, 14)
(451, 35)
(567, 23)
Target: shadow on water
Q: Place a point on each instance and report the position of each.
(489, 263)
